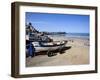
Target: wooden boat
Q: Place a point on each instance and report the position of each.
(48, 46)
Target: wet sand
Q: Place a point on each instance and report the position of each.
(78, 54)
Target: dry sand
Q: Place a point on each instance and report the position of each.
(76, 55)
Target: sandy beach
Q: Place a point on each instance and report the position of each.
(77, 54)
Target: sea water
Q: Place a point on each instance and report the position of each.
(78, 35)
(73, 35)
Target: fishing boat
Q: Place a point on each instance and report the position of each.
(48, 47)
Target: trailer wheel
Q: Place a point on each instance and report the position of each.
(61, 50)
(50, 53)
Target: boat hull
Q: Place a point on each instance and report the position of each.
(39, 49)
(44, 47)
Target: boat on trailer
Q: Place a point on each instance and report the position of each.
(49, 47)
